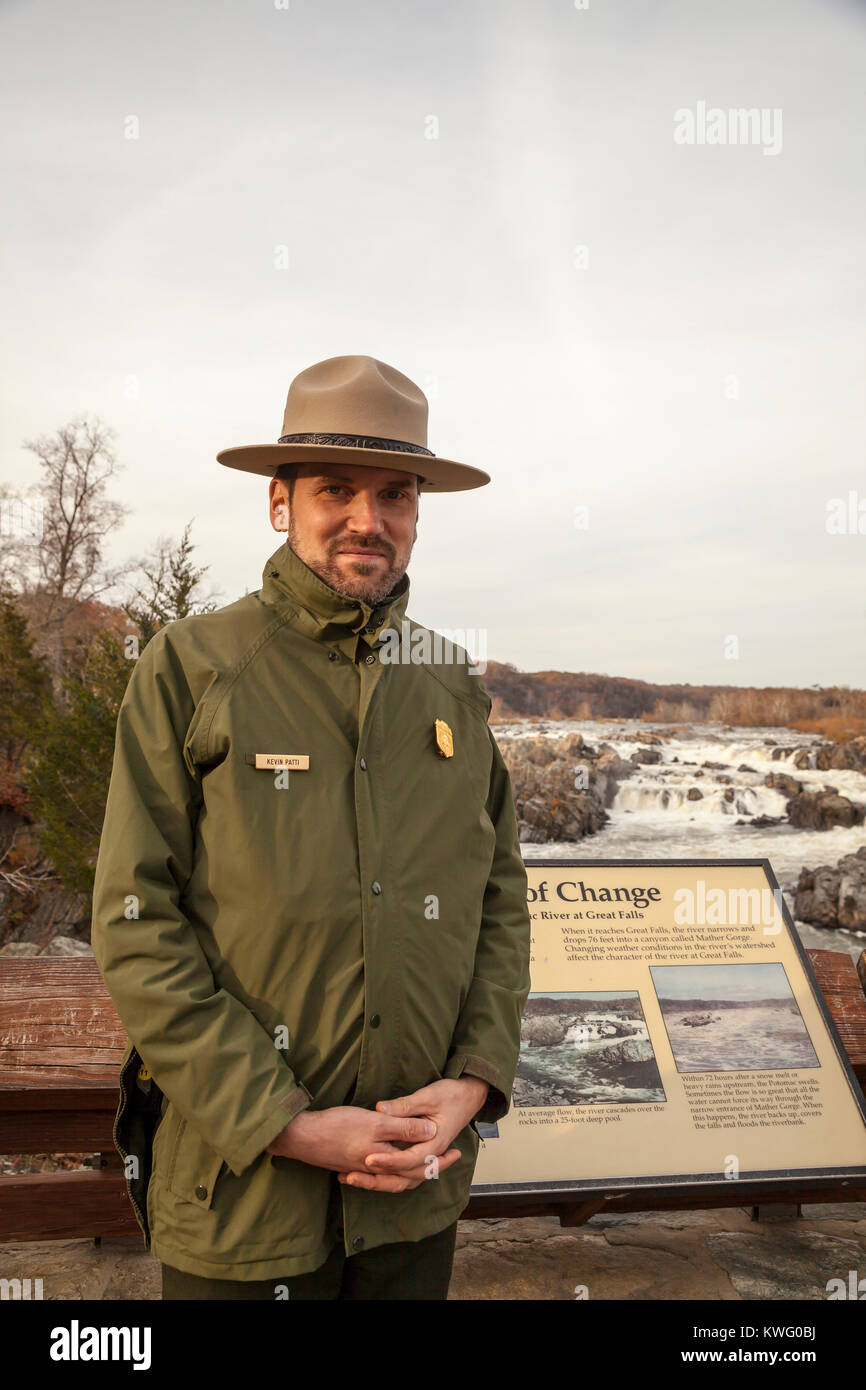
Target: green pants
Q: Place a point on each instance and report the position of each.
(412, 1269)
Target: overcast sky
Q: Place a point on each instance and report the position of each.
(693, 377)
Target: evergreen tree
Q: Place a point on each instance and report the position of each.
(69, 783)
(25, 684)
(170, 588)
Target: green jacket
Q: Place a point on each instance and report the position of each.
(274, 940)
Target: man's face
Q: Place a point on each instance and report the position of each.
(353, 525)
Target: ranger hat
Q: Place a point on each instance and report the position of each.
(356, 410)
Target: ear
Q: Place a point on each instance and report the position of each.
(278, 504)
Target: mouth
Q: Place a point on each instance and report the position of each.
(364, 554)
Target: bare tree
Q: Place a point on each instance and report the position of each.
(65, 567)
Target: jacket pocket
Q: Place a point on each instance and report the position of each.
(193, 1167)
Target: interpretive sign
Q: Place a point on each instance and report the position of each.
(674, 1035)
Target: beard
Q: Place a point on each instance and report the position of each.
(362, 580)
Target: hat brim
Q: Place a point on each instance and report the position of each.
(440, 475)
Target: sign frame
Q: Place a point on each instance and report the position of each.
(757, 1183)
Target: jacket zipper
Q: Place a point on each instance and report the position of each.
(117, 1118)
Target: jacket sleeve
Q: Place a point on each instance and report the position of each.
(206, 1051)
(486, 1041)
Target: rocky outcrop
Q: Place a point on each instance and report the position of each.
(823, 809)
(700, 1020)
(562, 785)
(35, 908)
(631, 1050)
(849, 755)
(58, 946)
(783, 751)
(645, 755)
(834, 897)
(546, 1030)
(784, 783)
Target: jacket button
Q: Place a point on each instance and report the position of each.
(332, 656)
(363, 764)
(376, 886)
(201, 1192)
(357, 1243)
(375, 1021)
(369, 660)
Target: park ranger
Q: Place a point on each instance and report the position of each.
(310, 902)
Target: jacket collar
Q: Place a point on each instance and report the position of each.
(322, 613)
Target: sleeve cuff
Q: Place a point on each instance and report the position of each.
(290, 1105)
(497, 1102)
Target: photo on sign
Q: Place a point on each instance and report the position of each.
(732, 1017)
(585, 1049)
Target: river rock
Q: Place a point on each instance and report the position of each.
(67, 946)
(608, 770)
(646, 755)
(700, 1020)
(544, 1030)
(694, 794)
(823, 809)
(561, 786)
(784, 783)
(630, 1050)
(834, 897)
(848, 755)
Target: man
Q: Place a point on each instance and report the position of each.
(310, 903)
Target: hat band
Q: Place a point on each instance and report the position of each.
(357, 441)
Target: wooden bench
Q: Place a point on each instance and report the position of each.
(61, 1043)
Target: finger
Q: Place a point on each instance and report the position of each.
(413, 1104)
(423, 1165)
(386, 1182)
(409, 1130)
(411, 1157)
(401, 1160)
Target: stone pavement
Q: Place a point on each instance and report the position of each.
(711, 1255)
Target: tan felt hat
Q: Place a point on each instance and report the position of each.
(356, 410)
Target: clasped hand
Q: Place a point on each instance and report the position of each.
(402, 1143)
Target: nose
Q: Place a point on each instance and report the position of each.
(365, 514)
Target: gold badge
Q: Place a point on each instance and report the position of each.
(444, 739)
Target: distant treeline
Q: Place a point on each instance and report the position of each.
(705, 1005)
(544, 1004)
(833, 711)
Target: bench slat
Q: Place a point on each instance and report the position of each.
(65, 1206)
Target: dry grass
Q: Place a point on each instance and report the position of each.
(832, 727)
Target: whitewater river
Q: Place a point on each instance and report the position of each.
(652, 817)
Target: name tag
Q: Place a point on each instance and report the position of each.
(298, 762)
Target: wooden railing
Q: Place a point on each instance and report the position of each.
(61, 1043)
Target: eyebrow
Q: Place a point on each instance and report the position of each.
(344, 478)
